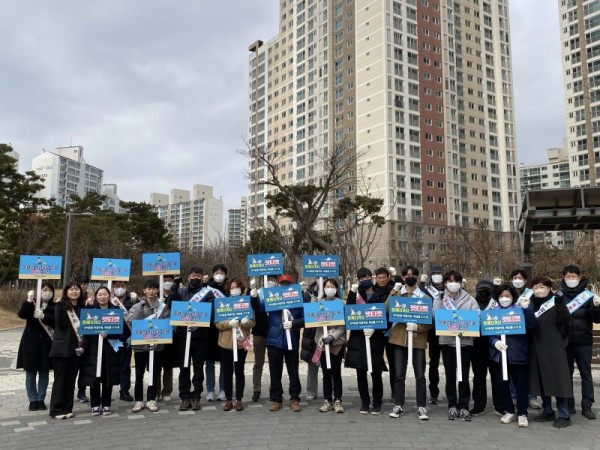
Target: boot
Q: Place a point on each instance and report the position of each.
(228, 405)
(586, 411)
(295, 405)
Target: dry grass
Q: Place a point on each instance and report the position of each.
(9, 319)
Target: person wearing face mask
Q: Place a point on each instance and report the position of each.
(259, 335)
(313, 341)
(434, 290)
(548, 367)
(311, 294)
(456, 298)
(398, 341)
(480, 359)
(516, 349)
(125, 297)
(34, 348)
(169, 354)
(585, 311)
(356, 357)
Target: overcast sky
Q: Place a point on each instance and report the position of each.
(156, 91)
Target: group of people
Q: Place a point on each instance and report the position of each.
(540, 363)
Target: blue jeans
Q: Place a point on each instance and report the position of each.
(36, 392)
(210, 377)
(562, 404)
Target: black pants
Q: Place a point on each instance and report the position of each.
(277, 357)
(125, 356)
(460, 401)
(363, 387)
(229, 367)
(401, 362)
(434, 362)
(198, 352)
(332, 378)
(517, 374)
(142, 360)
(65, 373)
(582, 354)
(480, 362)
(101, 390)
(389, 352)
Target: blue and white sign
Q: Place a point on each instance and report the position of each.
(190, 314)
(269, 264)
(160, 263)
(410, 309)
(37, 267)
(96, 321)
(111, 269)
(320, 266)
(502, 321)
(359, 317)
(230, 308)
(453, 322)
(151, 332)
(282, 297)
(324, 314)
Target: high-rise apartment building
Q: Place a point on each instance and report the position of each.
(236, 224)
(417, 92)
(554, 174)
(195, 219)
(64, 173)
(580, 37)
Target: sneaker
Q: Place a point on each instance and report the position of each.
(276, 406)
(422, 413)
(562, 422)
(69, 415)
(210, 397)
(477, 412)
(96, 411)
(396, 412)
(41, 405)
(239, 406)
(124, 396)
(508, 418)
(522, 422)
(60, 416)
(195, 402)
(295, 405)
(221, 397)
(364, 409)
(167, 398)
(256, 396)
(337, 406)
(534, 404)
(326, 407)
(433, 401)
(186, 404)
(376, 410)
(452, 413)
(106, 411)
(228, 405)
(151, 405)
(545, 417)
(588, 413)
(33, 406)
(137, 407)
(464, 415)
(82, 397)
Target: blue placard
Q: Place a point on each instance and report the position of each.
(320, 266)
(359, 317)
(160, 263)
(324, 313)
(411, 309)
(151, 332)
(229, 308)
(111, 269)
(502, 321)
(96, 321)
(282, 297)
(269, 264)
(190, 314)
(37, 267)
(454, 322)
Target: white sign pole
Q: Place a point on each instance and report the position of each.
(504, 359)
(458, 359)
(410, 348)
(286, 313)
(188, 341)
(38, 295)
(369, 362)
(109, 285)
(235, 349)
(151, 366)
(327, 354)
(99, 358)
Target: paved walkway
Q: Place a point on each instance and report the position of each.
(257, 428)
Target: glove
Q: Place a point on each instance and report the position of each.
(38, 313)
(133, 296)
(161, 300)
(354, 288)
(30, 296)
(424, 278)
(397, 287)
(253, 292)
(287, 325)
(328, 340)
(253, 283)
(368, 332)
(411, 326)
(233, 323)
(177, 281)
(559, 297)
(501, 346)
(393, 271)
(79, 351)
(303, 285)
(525, 302)
(245, 322)
(596, 301)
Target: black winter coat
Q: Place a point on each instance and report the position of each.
(64, 341)
(34, 348)
(582, 320)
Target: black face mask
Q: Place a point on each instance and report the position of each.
(485, 294)
(195, 283)
(410, 281)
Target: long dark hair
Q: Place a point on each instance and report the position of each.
(102, 288)
(65, 299)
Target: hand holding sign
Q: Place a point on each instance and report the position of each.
(327, 340)
(525, 302)
(233, 323)
(38, 313)
(287, 324)
(30, 296)
(410, 326)
(501, 346)
(368, 332)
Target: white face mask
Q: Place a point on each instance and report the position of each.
(219, 278)
(453, 286)
(437, 279)
(505, 301)
(571, 283)
(47, 296)
(120, 292)
(518, 283)
(541, 293)
(235, 292)
(271, 284)
(167, 285)
(330, 292)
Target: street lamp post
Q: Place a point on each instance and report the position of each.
(67, 271)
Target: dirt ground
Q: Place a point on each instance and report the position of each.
(9, 319)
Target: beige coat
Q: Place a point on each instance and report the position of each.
(226, 333)
(399, 335)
